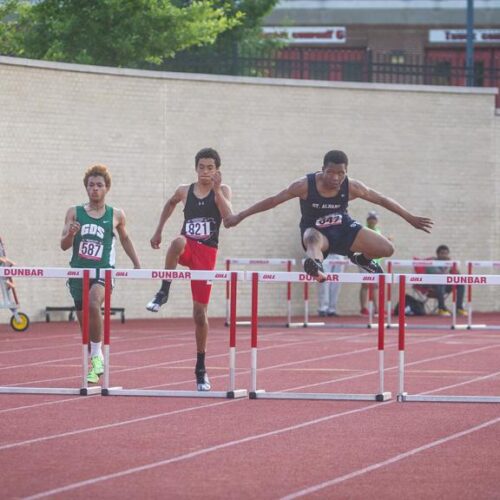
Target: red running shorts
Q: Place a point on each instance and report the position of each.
(199, 257)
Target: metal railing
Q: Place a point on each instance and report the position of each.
(350, 65)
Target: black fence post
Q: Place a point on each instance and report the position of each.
(369, 65)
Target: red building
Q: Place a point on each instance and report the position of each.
(392, 41)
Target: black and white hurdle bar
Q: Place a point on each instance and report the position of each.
(255, 393)
(435, 279)
(55, 272)
(184, 275)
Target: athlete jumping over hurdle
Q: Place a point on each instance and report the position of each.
(207, 203)
(326, 226)
(89, 231)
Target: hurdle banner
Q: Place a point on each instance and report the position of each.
(42, 272)
(305, 323)
(392, 264)
(257, 277)
(434, 279)
(243, 261)
(231, 277)
(471, 264)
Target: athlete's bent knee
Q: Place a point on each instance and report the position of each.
(388, 249)
(311, 237)
(178, 244)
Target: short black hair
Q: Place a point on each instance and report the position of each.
(441, 248)
(336, 157)
(207, 153)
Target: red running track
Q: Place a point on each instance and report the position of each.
(131, 447)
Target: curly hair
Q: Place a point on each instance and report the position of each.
(207, 153)
(98, 169)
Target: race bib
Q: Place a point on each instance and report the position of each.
(91, 250)
(198, 229)
(329, 220)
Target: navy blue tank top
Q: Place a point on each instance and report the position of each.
(202, 218)
(323, 213)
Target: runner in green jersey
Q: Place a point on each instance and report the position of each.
(89, 230)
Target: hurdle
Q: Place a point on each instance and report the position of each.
(184, 275)
(471, 264)
(39, 272)
(438, 279)
(253, 262)
(392, 264)
(306, 322)
(257, 277)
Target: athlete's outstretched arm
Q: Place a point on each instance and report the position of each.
(359, 190)
(125, 240)
(169, 207)
(296, 189)
(71, 227)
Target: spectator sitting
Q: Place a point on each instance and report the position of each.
(443, 253)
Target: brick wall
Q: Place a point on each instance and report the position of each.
(434, 149)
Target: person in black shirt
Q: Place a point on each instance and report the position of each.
(326, 226)
(207, 202)
(440, 291)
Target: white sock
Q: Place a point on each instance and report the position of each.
(95, 349)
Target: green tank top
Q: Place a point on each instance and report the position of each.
(94, 245)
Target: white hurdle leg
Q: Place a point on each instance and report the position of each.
(401, 338)
(380, 395)
(229, 394)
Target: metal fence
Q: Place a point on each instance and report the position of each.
(350, 65)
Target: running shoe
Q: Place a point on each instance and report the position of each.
(159, 299)
(96, 369)
(370, 267)
(202, 382)
(462, 312)
(314, 268)
(443, 312)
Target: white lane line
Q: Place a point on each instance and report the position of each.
(389, 461)
(197, 453)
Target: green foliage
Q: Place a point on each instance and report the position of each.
(248, 32)
(244, 39)
(130, 33)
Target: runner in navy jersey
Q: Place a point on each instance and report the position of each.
(326, 226)
(207, 202)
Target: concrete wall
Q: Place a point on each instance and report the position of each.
(433, 149)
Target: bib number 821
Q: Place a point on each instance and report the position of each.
(198, 230)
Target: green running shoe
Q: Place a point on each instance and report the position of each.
(97, 369)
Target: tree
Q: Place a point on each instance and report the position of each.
(244, 38)
(129, 33)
